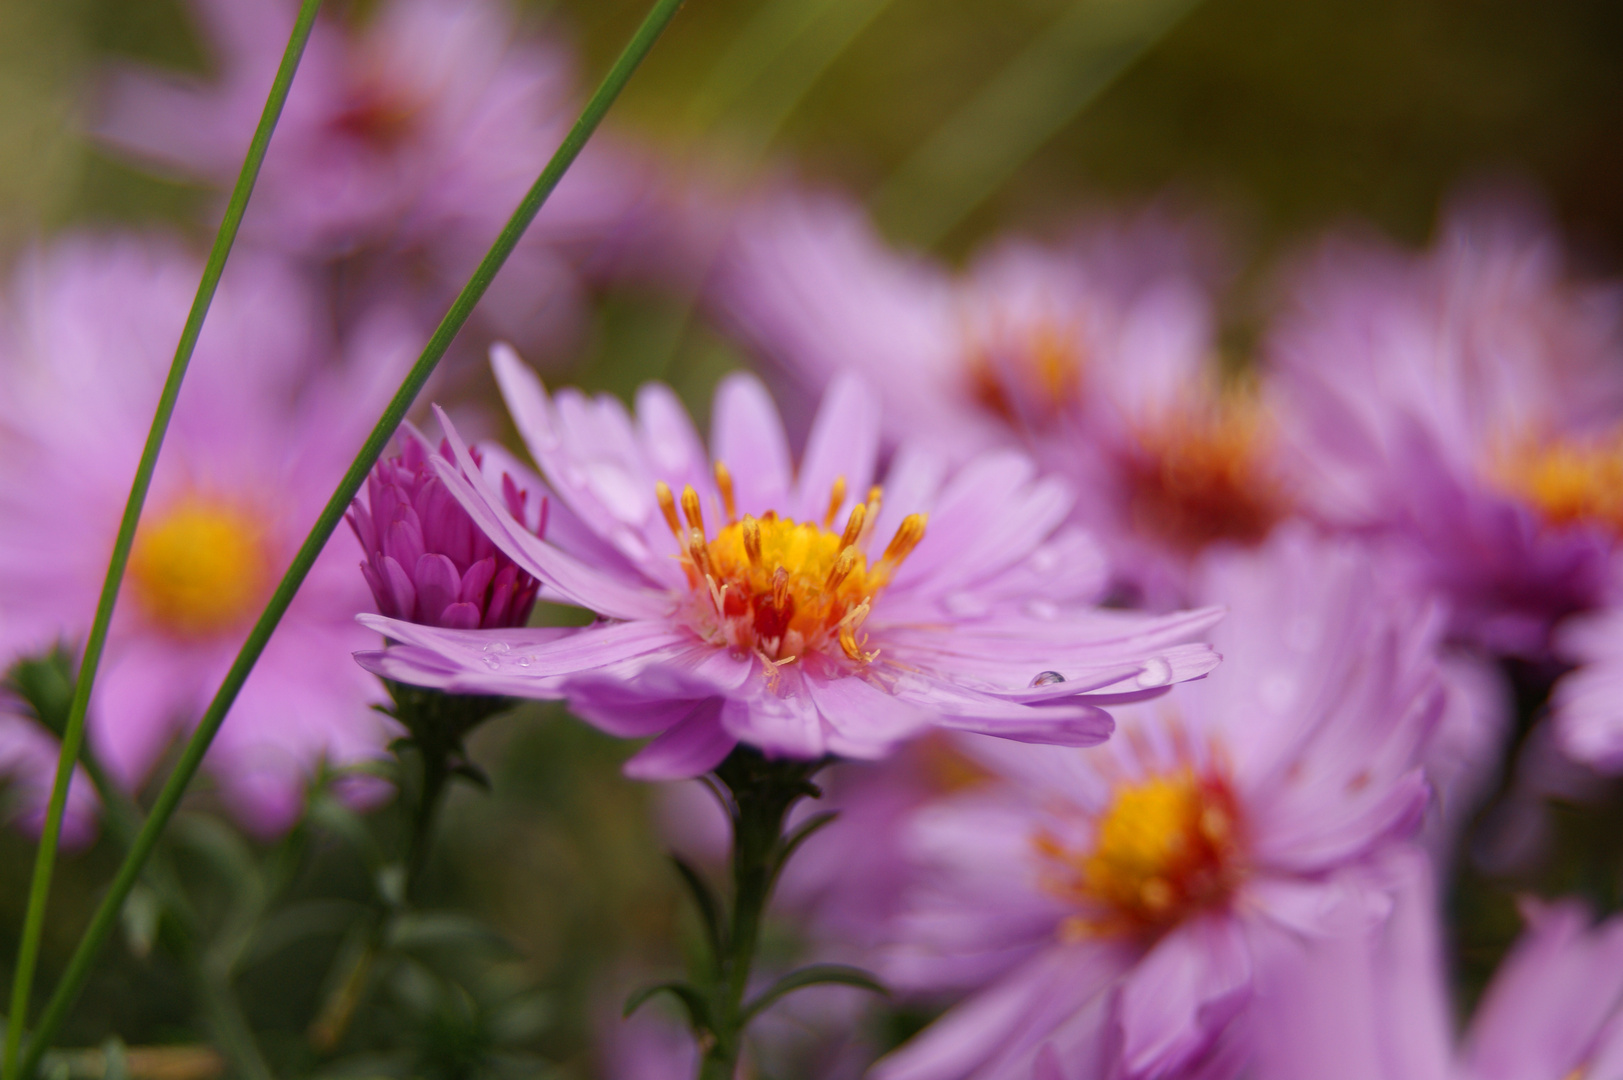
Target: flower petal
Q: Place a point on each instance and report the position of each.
(844, 444)
(747, 435)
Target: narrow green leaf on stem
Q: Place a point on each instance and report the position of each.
(1040, 91)
(709, 908)
(73, 733)
(191, 756)
(697, 1008)
(812, 975)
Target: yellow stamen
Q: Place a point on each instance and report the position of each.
(778, 588)
(842, 568)
(667, 506)
(200, 568)
(1200, 473)
(691, 509)
(908, 535)
(724, 483)
(853, 525)
(1568, 483)
(1165, 846)
(836, 499)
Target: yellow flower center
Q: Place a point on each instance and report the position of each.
(1165, 847)
(1032, 379)
(1200, 474)
(199, 568)
(1568, 483)
(778, 587)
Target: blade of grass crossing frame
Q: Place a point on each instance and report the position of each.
(73, 733)
(1023, 106)
(106, 914)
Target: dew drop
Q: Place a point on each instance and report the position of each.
(492, 663)
(525, 661)
(1157, 672)
(498, 647)
(1047, 678)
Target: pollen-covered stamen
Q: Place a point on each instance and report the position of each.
(1165, 847)
(1201, 472)
(200, 567)
(724, 484)
(908, 535)
(780, 588)
(836, 499)
(691, 509)
(853, 527)
(667, 506)
(1567, 482)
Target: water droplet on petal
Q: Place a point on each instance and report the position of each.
(525, 661)
(1047, 678)
(1157, 672)
(498, 647)
(492, 663)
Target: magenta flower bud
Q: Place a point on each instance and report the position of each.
(426, 561)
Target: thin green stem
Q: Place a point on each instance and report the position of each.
(106, 915)
(763, 793)
(73, 734)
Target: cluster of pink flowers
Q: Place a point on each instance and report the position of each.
(1162, 687)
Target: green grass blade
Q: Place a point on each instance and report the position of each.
(73, 733)
(1040, 91)
(774, 62)
(106, 915)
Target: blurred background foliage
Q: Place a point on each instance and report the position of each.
(957, 120)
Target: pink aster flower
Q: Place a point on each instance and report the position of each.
(1095, 356)
(258, 440)
(805, 612)
(410, 136)
(1376, 1006)
(426, 561)
(1466, 404)
(1110, 904)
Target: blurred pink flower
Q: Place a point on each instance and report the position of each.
(410, 136)
(1109, 904)
(1465, 405)
(1376, 1006)
(1587, 704)
(754, 614)
(258, 439)
(426, 561)
(1096, 356)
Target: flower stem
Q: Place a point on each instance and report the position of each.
(73, 734)
(106, 914)
(763, 793)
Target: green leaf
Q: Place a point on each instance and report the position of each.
(709, 908)
(812, 975)
(791, 843)
(435, 929)
(472, 773)
(697, 1008)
